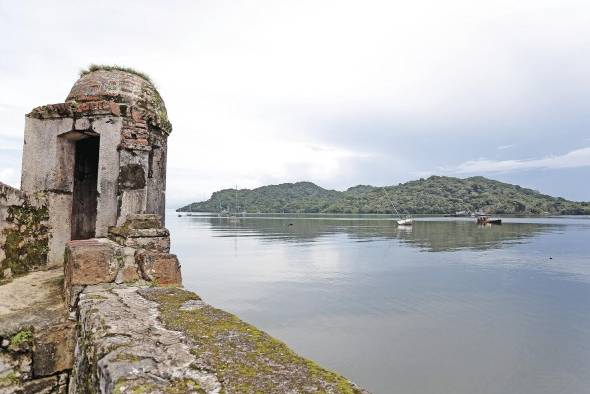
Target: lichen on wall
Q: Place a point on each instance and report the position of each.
(24, 232)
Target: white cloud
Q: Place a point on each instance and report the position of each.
(574, 159)
(249, 85)
(504, 147)
(9, 177)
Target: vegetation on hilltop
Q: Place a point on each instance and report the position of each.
(435, 195)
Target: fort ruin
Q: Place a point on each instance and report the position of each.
(92, 299)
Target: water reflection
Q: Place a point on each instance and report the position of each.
(441, 307)
(434, 236)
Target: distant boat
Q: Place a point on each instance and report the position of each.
(485, 219)
(405, 220)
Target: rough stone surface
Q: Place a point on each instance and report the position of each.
(125, 87)
(163, 340)
(54, 349)
(109, 129)
(37, 339)
(24, 237)
(90, 262)
(246, 360)
(47, 159)
(142, 231)
(161, 244)
(60, 227)
(161, 268)
(123, 348)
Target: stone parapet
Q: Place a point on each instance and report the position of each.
(167, 340)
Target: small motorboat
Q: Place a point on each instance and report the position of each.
(485, 219)
(405, 222)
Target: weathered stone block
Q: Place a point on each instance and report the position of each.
(159, 244)
(90, 262)
(132, 176)
(143, 221)
(53, 349)
(128, 274)
(128, 270)
(162, 268)
(49, 385)
(138, 233)
(82, 124)
(142, 231)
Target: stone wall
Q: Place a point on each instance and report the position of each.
(36, 337)
(24, 232)
(137, 339)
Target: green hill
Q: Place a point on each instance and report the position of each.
(435, 195)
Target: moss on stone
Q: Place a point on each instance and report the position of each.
(10, 379)
(126, 357)
(110, 67)
(27, 239)
(244, 358)
(95, 297)
(20, 338)
(184, 386)
(123, 386)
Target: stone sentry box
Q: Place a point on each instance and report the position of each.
(98, 157)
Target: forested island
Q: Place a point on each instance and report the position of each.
(434, 195)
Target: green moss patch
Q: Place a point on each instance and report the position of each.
(21, 338)
(27, 239)
(245, 359)
(126, 357)
(131, 387)
(184, 386)
(10, 379)
(181, 386)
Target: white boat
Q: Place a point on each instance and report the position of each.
(405, 222)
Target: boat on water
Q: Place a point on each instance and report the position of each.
(485, 219)
(401, 220)
(233, 214)
(405, 222)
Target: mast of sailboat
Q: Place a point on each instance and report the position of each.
(392, 204)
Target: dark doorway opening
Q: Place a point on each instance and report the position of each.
(85, 188)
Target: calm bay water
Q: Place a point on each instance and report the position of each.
(444, 307)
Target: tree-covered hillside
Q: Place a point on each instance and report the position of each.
(435, 195)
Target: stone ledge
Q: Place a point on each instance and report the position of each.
(162, 340)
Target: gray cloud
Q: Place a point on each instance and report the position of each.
(336, 92)
(574, 159)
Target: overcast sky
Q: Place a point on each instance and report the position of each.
(335, 92)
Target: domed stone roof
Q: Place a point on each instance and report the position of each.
(122, 86)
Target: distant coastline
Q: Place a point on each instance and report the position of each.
(436, 195)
